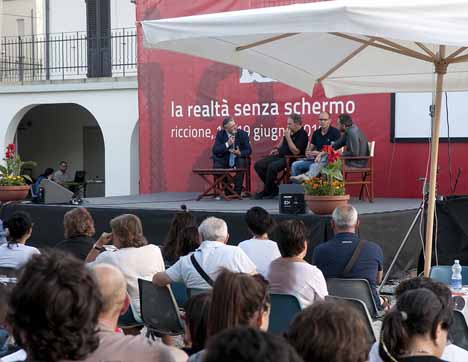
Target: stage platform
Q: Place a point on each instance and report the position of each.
(385, 221)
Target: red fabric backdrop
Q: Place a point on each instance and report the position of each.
(177, 123)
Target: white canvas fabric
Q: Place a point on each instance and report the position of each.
(299, 60)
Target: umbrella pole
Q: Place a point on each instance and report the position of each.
(441, 68)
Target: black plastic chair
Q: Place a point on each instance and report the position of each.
(355, 289)
(159, 310)
(459, 330)
(194, 291)
(361, 308)
(284, 308)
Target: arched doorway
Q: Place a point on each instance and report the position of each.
(50, 133)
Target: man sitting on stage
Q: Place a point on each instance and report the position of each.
(315, 160)
(294, 142)
(334, 256)
(230, 150)
(355, 141)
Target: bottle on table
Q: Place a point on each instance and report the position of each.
(456, 280)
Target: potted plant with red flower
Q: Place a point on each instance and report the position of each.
(13, 184)
(327, 191)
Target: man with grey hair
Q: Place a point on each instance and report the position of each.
(115, 345)
(199, 269)
(332, 257)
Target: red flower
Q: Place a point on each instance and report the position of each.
(11, 147)
(7, 154)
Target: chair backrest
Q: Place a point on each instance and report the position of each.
(284, 308)
(443, 274)
(459, 330)
(355, 289)
(159, 309)
(194, 291)
(371, 148)
(361, 308)
(180, 293)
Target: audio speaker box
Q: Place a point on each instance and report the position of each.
(291, 199)
(53, 193)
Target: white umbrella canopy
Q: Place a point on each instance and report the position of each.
(348, 46)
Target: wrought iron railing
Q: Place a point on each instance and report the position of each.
(67, 56)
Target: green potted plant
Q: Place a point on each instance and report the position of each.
(327, 191)
(13, 184)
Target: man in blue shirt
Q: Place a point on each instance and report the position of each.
(332, 256)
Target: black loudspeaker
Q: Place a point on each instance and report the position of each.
(53, 193)
(291, 199)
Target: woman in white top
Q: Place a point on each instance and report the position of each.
(14, 254)
(134, 256)
(291, 274)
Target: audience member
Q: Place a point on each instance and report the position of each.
(61, 176)
(416, 328)
(134, 257)
(246, 344)
(114, 345)
(334, 256)
(14, 254)
(260, 249)
(188, 241)
(329, 331)
(452, 353)
(238, 299)
(196, 322)
(199, 269)
(54, 309)
(180, 221)
(48, 174)
(291, 274)
(79, 231)
(294, 142)
(355, 141)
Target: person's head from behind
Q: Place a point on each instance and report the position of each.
(78, 222)
(197, 309)
(19, 227)
(63, 166)
(127, 231)
(290, 235)
(229, 125)
(438, 288)
(259, 221)
(247, 344)
(329, 331)
(294, 122)
(345, 219)
(112, 285)
(344, 121)
(54, 308)
(48, 173)
(419, 320)
(238, 299)
(214, 229)
(187, 241)
(180, 221)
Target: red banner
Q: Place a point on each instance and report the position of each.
(184, 99)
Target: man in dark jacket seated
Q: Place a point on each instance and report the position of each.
(231, 147)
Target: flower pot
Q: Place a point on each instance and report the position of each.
(13, 193)
(324, 205)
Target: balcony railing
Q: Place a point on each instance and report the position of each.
(67, 56)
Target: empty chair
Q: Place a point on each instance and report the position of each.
(284, 308)
(159, 309)
(459, 330)
(443, 274)
(361, 308)
(356, 289)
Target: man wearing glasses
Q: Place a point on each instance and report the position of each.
(311, 165)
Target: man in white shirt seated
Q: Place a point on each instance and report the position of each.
(260, 249)
(212, 255)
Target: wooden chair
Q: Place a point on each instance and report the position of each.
(220, 180)
(285, 174)
(365, 175)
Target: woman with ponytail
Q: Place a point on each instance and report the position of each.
(415, 330)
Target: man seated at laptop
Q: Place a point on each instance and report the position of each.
(61, 176)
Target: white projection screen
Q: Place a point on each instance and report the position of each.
(411, 121)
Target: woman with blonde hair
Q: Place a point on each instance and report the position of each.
(133, 256)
